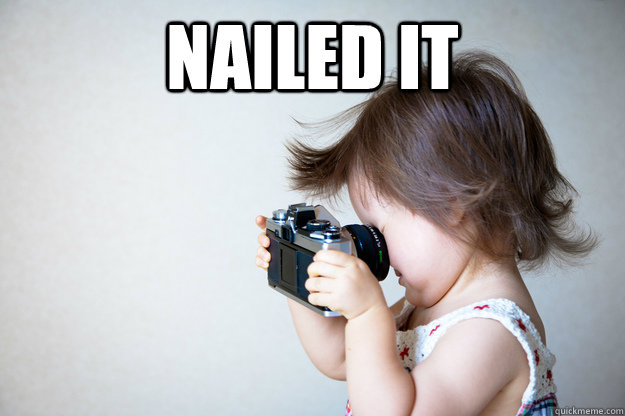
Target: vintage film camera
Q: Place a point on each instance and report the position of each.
(298, 232)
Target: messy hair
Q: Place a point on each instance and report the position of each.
(479, 149)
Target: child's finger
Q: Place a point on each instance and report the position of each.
(263, 240)
(262, 264)
(263, 254)
(261, 221)
(335, 257)
(320, 299)
(319, 268)
(320, 284)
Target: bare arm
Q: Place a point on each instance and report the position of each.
(320, 335)
(376, 381)
(472, 362)
(323, 338)
(470, 365)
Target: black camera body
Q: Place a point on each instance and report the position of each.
(298, 232)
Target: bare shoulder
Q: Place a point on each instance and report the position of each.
(525, 302)
(397, 307)
(514, 289)
(476, 363)
(527, 305)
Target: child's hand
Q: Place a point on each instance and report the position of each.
(262, 255)
(343, 283)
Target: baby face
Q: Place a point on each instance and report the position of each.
(427, 260)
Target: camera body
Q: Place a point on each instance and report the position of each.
(298, 232)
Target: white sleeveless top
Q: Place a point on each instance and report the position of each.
(415, 345)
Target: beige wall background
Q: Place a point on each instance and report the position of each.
(127, 284)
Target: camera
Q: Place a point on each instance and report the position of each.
(298, 232)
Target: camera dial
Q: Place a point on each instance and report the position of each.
(332, 233)
(317, 225)
(280, 215)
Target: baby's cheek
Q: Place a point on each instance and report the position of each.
(395, 256)
(408, 252)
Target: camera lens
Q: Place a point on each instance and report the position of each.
(370, 248)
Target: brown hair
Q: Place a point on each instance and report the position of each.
(478, 148)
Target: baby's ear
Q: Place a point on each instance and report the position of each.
(457, 217)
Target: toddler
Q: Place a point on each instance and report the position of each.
(464, 186)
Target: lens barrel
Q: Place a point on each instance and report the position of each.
(370, 248)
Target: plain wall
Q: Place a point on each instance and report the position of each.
(127, 283)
